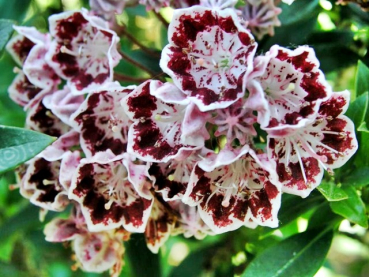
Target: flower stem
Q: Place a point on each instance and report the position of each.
(135, 63)
(125, 78)
(139, 44)
(161, 19)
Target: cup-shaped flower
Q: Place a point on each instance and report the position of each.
(325, 143)
(293, 86)
(157, 132)
(84, 50)
(209, 56)
(231, 192)
(101, 121)
(108, 198)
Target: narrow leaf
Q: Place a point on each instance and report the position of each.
(359, 177)
(18, 145)
(332, 192)
(362, 77)
(352, 208)
(300, 255)
(298, 11)
(358, 109)
(142, 261)
(6, 30)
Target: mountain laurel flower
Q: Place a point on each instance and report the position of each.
(209, 150)
(209, 56)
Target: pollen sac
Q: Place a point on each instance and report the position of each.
(209, 56)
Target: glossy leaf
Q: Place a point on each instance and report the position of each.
(362, 79)
(298, 11)
(332, 192)
(6, 29)
(292, 206)
(300, 255)
(18, 145)
(352, 208)
(358, 109)
(358, 177)
(142, 261)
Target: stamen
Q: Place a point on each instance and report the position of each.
(142, 119)
(17, 70)
(46, 182)
(65, 50)
(171, 177)
(115, 129)
(107, 205)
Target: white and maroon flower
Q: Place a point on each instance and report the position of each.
(59, 148)
(218, 4)
(95, 252)
(41, 119)
(326, 143)
(231, 193)
(189, 223)
(159, 226)
(29, 49)
(157, 132)
(63, 103)
(154, 4)
(235, 122)
(209, 56)
(25, 93)
(171, 178)
(108, 199)
(84, 50)
(293, 86)
(101, 121)
(40, 184)
(261, 17)
(107, 8)
(98, 252)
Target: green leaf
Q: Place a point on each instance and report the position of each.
(293, 206)
(362, 79)
(352, 208)
(298, 256)
(25, 219)
(332, 192)
(363, 127)
(299, 10)
(361, 156)
(142, 261)
(358, 109)
(6, 30)
(359, 177)
(18, 145)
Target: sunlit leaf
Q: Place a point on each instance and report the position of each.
(332, 192)
(142, 261)
(358, 177)
(358, 109)
(351, 208)
(300, 255)
(6, 29)
(362, 78)
(18, 145)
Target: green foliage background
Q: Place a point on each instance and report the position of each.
(299, 247)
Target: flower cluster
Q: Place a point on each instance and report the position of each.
(179, 157)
